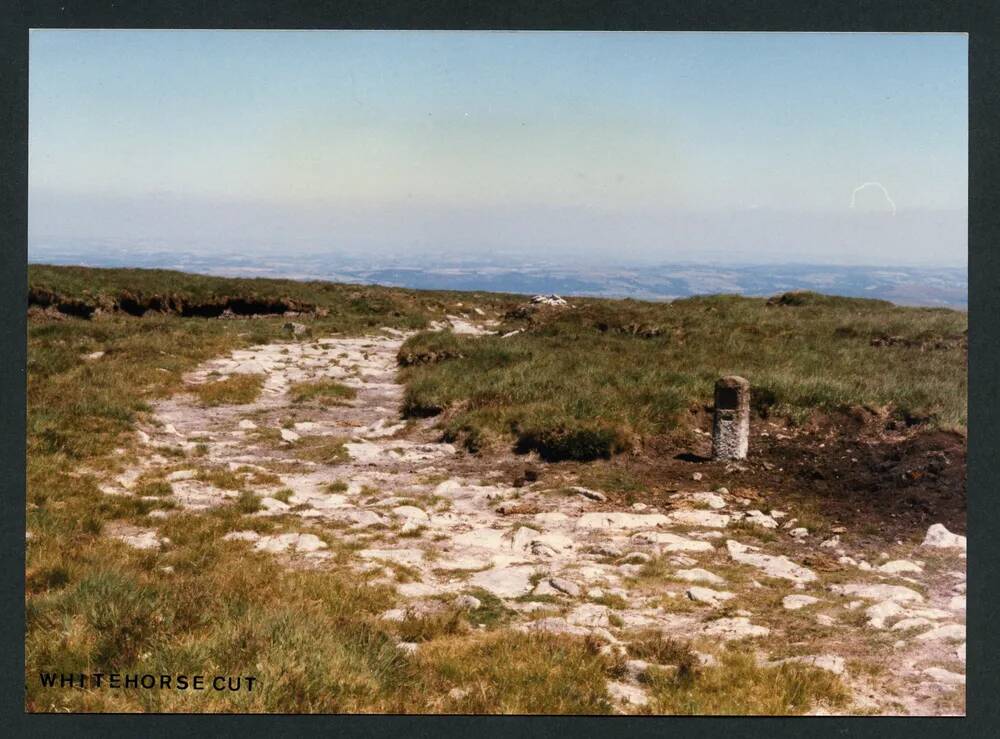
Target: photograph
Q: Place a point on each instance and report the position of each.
(524, 372)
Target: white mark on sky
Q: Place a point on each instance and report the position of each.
(880, 186)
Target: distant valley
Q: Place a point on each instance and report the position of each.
(516, 273)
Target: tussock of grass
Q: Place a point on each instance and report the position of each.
(509, 672)
(283, 495)
(327, 392)
(738, 686)
(655, 647)
(425, 627)
(221, 477)
(156, 488)
(491, 612)
(325, 449)
(578, 384)
(234, 390)
(248, 502)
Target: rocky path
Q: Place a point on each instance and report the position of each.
(446, 531)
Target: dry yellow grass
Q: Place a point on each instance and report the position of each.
(233, 390)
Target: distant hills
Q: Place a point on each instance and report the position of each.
(918, 286)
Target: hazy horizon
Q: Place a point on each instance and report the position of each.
(636, 148)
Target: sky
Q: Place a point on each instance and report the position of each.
(827, 148)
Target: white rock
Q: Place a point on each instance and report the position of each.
(363, 519)
(588, 493)
(708, 596)
(829, 662)
(606, 550)
(592, 615)
(628, 694)
(771, 565)
(505, 582)
(273, 505)
(939, 537)
(141, 540)
(761, 519)
(457, 694)
(705, 659)
(824, 620)
(550, 519)
(247, 425)
(672, 542)
(950, 632)
(795, 602)
(410, 512)
(957, 603)
(635, 558)
(712, 500)
(799, 533)
(897, 566)
(879, 613)
(636, 668)
(241, 536)
(941, 675)
(699, 575)
(617, 520)
(695, 517)
(285, 542)
(418, 590)
(911, 623)
(868, 591)
(411, 557)
(468, 602)
(548, 300)
(544, 587)
(551, 624)
(832, 543)
(734, 628)
(289, 435)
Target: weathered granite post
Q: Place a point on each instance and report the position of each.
(731, 425)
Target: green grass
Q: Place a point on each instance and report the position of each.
(327, 392)
(325, 449)
(234, 390)
(738, 686)
(94, 605)
(348, 308)
(508, 672)
(581, 384)
(313, 638)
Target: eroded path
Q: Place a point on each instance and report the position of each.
(446, 531)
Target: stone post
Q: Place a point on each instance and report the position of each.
(731, 424)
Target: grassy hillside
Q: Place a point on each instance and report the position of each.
(83, 290)
(592, 379)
